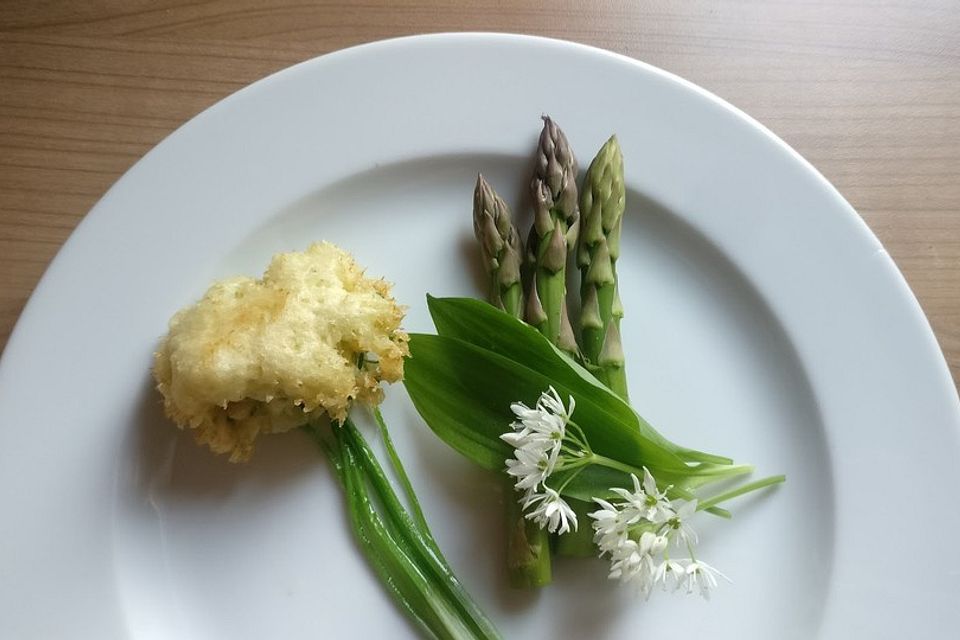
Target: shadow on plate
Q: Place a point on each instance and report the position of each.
(169, 467)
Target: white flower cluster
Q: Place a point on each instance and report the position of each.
(636, 532)
(539, 436)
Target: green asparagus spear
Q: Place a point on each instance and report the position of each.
(499, 246)
(556, 223)
(602, 202)
(528, 546)
(601, 206)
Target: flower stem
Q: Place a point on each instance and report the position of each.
(570, 477)
(576, 464)
(741, 490)
(401, 473)
(580, 438)
(610, 463)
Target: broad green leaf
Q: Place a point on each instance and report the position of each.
(464, 393)
(483, 325)
(463, 416)
(464, 380)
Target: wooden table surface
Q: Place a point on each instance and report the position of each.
(867, 90)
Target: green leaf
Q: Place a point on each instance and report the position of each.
(464, 380)
(487, 327)
(464, 393)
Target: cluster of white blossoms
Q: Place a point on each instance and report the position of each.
(637, 533)
(542, 445)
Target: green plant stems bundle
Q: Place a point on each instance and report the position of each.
(528, 546)
(400, 548)
(602, 203)
(556, 224)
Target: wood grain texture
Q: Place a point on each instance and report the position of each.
(868, 91)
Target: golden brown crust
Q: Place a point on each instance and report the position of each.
(265, 356)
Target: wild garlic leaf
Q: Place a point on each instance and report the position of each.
(464, 393)
(483, 325)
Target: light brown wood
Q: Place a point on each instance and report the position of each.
(868, 91)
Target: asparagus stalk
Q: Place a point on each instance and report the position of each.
(556, 224)
(528, 546)
(601, 207)
(602, 204)
(499, 246)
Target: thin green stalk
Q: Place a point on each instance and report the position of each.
(397, 517)
(528, 546)
(673, 493)
(402, 474)
(741, 490)
(731, 471)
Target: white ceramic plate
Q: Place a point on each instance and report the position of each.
(763, 321)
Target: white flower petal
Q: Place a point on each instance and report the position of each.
(552, 513)
(649, 484)
(550, 400)
(513, 438)
(701, 577)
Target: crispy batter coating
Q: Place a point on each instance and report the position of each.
(265, 356)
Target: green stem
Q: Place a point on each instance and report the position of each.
(612, 374)
(528, 546)
(512, 300)
(576, 464)
(675, 492)
(404, 556)
(579, 543)
(616, 465)
(569, 478)
(552, 288)
(415, 542)
(686, 495)
(403, 580)
(401, 473)
(741, 490)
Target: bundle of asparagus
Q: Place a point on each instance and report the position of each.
(474, 380)
(555, 233)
